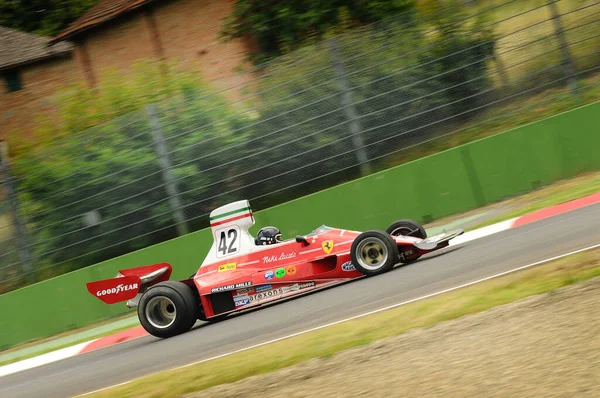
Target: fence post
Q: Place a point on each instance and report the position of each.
(349, 108)
(501, 71)
(13, 204)
(165, 165)
(566, 60)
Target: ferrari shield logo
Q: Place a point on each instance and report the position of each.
(327, 246)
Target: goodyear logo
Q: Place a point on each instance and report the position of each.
(227, 267)
(115, 290)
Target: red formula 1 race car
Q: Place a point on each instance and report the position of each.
(238, 273)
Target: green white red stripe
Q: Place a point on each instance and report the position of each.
(229, 216)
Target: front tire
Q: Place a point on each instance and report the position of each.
(374, 252)
(407, 228)
(168, 309)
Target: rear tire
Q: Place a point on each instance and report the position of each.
(168, 309)
(374, 252)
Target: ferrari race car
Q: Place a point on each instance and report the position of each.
(238, 274)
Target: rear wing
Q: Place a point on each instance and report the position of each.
(129, 284)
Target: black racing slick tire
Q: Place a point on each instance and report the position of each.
(168, 309)
(407, 228)
(374, 252)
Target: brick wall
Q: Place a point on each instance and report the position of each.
(118, 44)
(20, 110)
(189, 32)
(185, 31)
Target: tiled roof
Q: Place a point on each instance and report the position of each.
(104, 11)
(19, 48)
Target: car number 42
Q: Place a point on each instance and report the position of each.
(228, 241)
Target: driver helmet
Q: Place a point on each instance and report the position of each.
(268, 236)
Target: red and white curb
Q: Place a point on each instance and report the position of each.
(526, 219)
(42, 359)
(139, 331)
(72, 351)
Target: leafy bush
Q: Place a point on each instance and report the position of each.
(100, 193)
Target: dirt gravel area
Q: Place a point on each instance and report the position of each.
(544, 346)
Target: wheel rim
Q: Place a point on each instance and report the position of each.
(401, 231)
(372, 253)
(161, 312)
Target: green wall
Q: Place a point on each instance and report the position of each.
(449, 182)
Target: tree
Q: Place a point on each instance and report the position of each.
(43, 17)
(278, 27)
(409, 82)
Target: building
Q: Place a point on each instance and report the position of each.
(30, 71)
(115, 34)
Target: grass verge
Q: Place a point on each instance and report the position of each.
(552, 195)
(328, 341)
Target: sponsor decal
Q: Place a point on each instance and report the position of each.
(274, 293)
(292, 288)
(120, 288)
(268, 294)
(280, 273)
(307, 284)
(230, 287)
(404, 255)
(282, 256)
(227, 267)
(297, 286)
(241, 300)
(327, 246)
(348, 266)
(244, 291)
(291, 270)
(262, 288)
(269, 275)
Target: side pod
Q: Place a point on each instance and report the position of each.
(129, 284)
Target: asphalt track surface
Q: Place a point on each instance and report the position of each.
(448, 268)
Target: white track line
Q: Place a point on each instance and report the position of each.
(482, 232)
(43, 359)
(360, 316)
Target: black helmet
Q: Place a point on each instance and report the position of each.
(268, 236)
